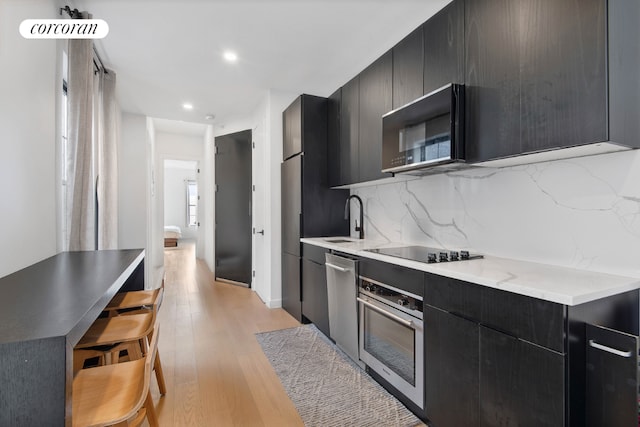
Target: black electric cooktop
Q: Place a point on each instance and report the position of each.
(426, 254)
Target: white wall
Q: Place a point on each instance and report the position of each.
(172, 146)
(155, 227)
(277, 103)
(582, 213)
(208, 194)
(132, 182)
(137, 194)
(28, 88)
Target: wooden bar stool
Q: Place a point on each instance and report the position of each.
(133, 299)
(113, 394)
(129, 332)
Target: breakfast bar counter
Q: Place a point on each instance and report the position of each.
(44, 311)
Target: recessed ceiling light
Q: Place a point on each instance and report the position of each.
(210, 116)
(230, 56)
(187, 106)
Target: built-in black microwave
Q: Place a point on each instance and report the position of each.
(426, 132)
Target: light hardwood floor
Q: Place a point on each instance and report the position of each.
(216, 372)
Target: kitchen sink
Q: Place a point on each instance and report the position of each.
(338, 240)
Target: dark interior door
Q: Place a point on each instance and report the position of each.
(233, 207)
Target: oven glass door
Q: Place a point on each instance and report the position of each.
(391, 343)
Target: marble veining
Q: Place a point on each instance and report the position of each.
(581, 213)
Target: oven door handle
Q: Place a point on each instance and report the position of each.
(398, 319)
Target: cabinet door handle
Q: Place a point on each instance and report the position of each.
(621, 353)
(335, 267)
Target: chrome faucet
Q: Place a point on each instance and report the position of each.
(346, 214)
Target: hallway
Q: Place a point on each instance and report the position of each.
(215, 370)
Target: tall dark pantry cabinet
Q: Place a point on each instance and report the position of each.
(309, 207)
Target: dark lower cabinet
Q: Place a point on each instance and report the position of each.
(451, 369)
(531, 319)
(291, 295)
(495, 358)
(612, 377)
(315, 306)
(521, 384)
(480, 376)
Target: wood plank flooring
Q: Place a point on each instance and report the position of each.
(216, 372)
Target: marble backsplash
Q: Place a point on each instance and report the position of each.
(582, 212)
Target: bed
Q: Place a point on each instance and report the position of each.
(171, 235)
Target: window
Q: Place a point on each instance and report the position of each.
(192, 203)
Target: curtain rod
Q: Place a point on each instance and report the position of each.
(73, 13)
(76, 14)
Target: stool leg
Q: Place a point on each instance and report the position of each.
(151, 411)
(157, 366)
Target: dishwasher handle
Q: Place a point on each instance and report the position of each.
(337, 267)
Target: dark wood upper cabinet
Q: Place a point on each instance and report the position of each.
(350, 131)
(407, 69)
(623, 71)
(375, 100)
(563, 80)
(292, 129)
(539, 76)
(334, 171)
(492, 91)
(444, 47)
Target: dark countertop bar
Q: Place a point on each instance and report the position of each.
(44, 311)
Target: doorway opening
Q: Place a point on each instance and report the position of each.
(181, 199)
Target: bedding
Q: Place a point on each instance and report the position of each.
(171, 235)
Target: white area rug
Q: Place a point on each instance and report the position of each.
(327, 388)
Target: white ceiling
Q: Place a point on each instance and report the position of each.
(169, 52)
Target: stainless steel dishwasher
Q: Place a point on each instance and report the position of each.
(343, 307)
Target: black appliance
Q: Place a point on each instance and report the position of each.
(309, 207)
(426, 254)
(425, 133)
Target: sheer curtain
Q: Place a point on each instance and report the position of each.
(107, 159)
(92, 184)
(80, 173)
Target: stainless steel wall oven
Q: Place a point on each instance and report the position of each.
(391, 336)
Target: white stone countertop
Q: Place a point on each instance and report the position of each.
(563, 285)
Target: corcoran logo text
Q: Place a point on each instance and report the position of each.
(64, 29)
